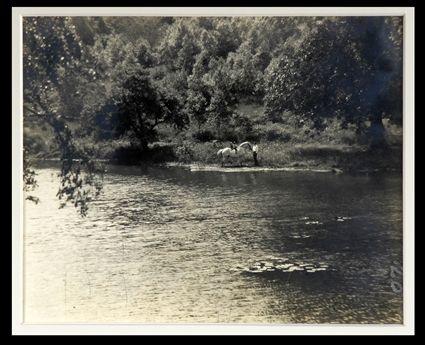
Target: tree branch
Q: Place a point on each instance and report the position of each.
(33, 111)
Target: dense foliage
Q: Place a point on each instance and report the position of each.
(102, 78)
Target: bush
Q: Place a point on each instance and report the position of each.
(158, 153)
(394, 133)
(203, 135)
(228, 135)
(34, 143)
(274, 132)
(197, 152)
(205, 152)
(127, 155)
(184, 154)
(166, 133)
(335, 133)
(243, 125)
(133, 155)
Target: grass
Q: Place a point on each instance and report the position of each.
(280, 145)
(350, 158)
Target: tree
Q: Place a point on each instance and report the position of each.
(222, 93)
(53, 56)
(115, 59)
(143, 106)
(180, 45)
(341, 68)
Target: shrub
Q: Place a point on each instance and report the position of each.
(203, 135)
(184, 153)
(274, 132)
(228, 134)
(166, 133)
(157, 153)
(127, 155)
(35, 143)
(205, 152)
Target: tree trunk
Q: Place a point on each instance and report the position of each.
(143, 146)
(377, 133)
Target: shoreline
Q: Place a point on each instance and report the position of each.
(208, 167)
(274, 156)
(195, 167)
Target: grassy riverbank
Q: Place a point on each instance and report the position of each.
(337, 149)
(273, 155)
(329, 157)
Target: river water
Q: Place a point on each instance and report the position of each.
(172, 245)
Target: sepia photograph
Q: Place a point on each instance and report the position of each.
(242, 169)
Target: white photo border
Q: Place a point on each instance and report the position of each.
(21, 328)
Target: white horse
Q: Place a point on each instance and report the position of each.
(228, 153)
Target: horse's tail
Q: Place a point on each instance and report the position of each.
(220, 153)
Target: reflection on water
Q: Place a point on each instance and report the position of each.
(170, 245)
